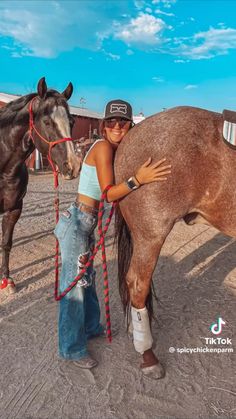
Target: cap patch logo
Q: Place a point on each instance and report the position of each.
(117, 107)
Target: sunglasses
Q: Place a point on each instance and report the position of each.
(112, 122)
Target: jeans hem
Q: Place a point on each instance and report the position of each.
(99, 331)
(74, 356)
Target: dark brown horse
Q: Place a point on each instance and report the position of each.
(201, 188)
(51, 118)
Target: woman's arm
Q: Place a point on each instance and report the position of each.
(145, 174)
(104, 164)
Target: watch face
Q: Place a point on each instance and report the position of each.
(131, 184)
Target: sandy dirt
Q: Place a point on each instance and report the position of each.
(195, 281)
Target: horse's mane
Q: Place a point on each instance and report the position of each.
(9, 111)
(13, 109)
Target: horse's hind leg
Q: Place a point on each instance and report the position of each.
(142, 265)
(8, 223)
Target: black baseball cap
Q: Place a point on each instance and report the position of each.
(118, 109)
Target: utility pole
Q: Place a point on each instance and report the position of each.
(82, 101)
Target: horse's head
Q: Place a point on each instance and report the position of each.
(52, 122)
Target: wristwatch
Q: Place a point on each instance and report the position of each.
(131, 184)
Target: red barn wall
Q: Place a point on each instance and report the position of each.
(83, 127)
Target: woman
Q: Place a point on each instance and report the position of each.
(79, 313)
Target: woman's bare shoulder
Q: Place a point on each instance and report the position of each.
(103, 146)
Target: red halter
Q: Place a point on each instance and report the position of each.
(51, 144)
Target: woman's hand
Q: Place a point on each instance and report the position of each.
(152, 172)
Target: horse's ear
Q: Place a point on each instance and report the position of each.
(68, 91)
(42, 87)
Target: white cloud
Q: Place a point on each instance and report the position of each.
(158, 79)
(165, 3)
(30, 28)
(160, 12)
(16, 55)
(139, 4)
(202, 45)
(25, 28)
(190, 86)
(211, 43)
(145, 29)
(181, 61)
(110, 56)
(168, 3)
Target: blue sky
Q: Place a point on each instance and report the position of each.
(156, 53)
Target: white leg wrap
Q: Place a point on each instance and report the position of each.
(141, 329)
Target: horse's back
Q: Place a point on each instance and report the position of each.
(178, 133)
(191, 140)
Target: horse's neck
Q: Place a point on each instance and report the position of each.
(15, 146)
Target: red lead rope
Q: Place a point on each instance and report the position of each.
(101, 242)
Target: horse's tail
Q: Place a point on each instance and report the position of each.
(125, 251)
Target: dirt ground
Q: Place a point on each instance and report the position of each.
(195, 281)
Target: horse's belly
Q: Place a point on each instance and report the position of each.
(1, 207)
(11, 194)
(220, 211)
(1, 198)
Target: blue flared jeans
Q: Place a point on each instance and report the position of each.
(79, 311)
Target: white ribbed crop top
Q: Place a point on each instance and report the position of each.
(88, 182)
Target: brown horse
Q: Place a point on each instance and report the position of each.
(51, 118)
(201, 188)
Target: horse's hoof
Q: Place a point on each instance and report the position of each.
(8, 286)
(155, 372)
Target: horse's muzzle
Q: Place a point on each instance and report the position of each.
(71, 171)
